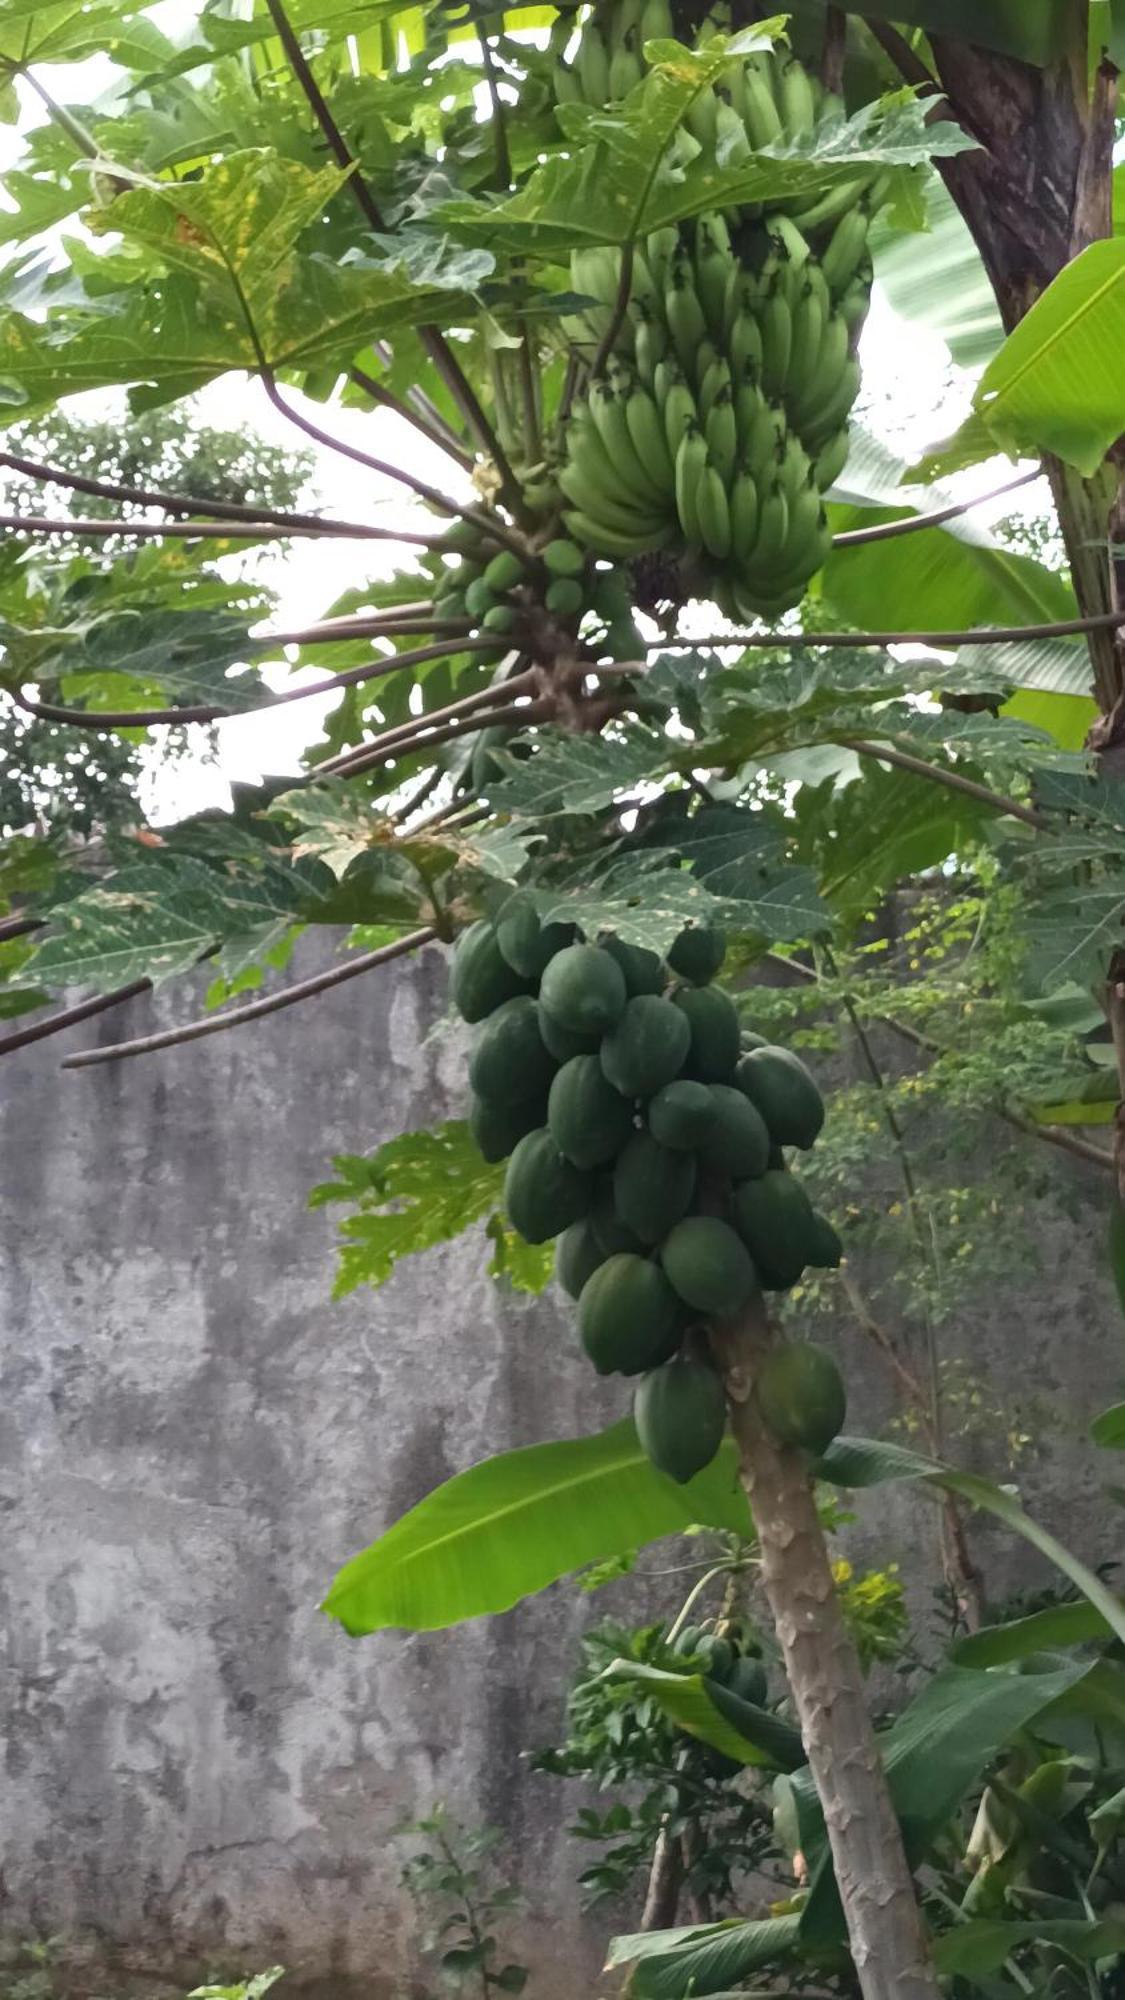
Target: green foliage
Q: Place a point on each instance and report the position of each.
(453, 1882)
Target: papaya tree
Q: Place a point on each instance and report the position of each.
(634, 706)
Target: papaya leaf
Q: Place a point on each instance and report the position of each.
(740, 1729)
(418, 1190)
(577, 774)
(1108, 1430)
(516, 1523)
(156, 918)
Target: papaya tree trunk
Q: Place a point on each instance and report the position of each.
(886, 1930)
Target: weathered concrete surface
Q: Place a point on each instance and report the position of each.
(199, 1766)
(200, 1769)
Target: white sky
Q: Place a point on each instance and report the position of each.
(902, 364)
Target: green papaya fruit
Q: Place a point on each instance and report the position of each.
(481, 978)
(564, 597)
(750, 1040)
(499, 618)
(652, 1186)
(498, 1128)
(777, 1082)
(698, 953)
(609, 1230)
(775, 1219)
(680, 1411)
(588, 1119)
(713, 1021)
(709, 1266)
(526, 941)
(543, 1193)
(504, 572)
(737, 1144)
(644, 972)
(747, 1680)
(509, 1063)
(564, 558)
(578, 1254)
(628, 1316)
(801, 1396)
(583, 989)
(484, 769)
(563, 1043)
(716, 1654)
(682, 1115)
(479, 598)
(687, 1641)
(826, 1251)
(646, 1048)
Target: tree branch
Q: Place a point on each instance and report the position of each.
(834, 49)
(180, 503)
(940, 775)
(201, 531)
(358, 762)
(434, 342)
(16, 926)
(500, 693)
(895, 45)
(976, 635)
(442, 439)
(255, 1010)
(488, 523)
(887, 530)
(66, 1017)
(149, 718)
(617, 316)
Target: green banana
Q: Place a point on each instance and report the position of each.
(731, 143)
(717, 378)
(855, 303)
(845, 249)
(777, 339)
(680, 414)
(686, 322)
(701, 118)
(650, 344)
(743, 514)
(796, 100)
(592, 500)
(794, 469)
(656, 24)
(624, 20)
(625, 70)
(817, 213)
(567, 88)
(749, 405)
(824, 377)
(828, 416)
(691, 461)
(660, 248)
(705, 355)
(607, 540)
(597, 476)
(764, 440)
(666, 372)
(832, 458)
(763, 121)
(793, 250)
(773, 527)
(713, 510)
(744, 343)
(808, 331)
(720, 428)
(592, 64)
(607, 408)
(597, 273)
(646, 432)
(712, 272)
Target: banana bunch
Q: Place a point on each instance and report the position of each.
(608, 63)
(722, 419)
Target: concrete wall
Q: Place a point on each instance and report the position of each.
(201, 1769)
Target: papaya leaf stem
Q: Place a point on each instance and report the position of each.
(254, 1010)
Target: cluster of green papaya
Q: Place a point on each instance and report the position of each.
(500, 592)
(722, 417)
(730, 1656)
(645, 1130)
